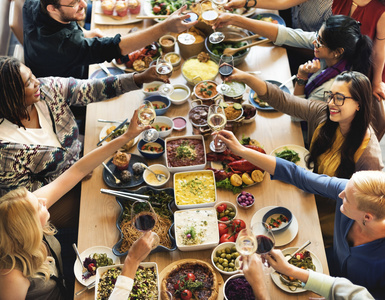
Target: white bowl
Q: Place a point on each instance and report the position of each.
(213, 255)
(229, 204)
(151, 85)
(186, 168)
(164, 120)
(248, 105)
(205, 223)
(159, 168)
(180, 95)
(200, 200)
(101, 270)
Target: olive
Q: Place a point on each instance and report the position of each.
(218, 253)
(231, 265)
(215, 259)
(220, 260)
(228, 256)
(223, 255)
(225, 261)
(230, 269)
(220, 266)
(226, 269)
(222, 214)
(235, 254)
(232, 214)
(233, 249)
(227, 250)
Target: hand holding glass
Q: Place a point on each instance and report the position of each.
(216, 119)
(265, 238)
(164, 69)
(209, 15)
(226, 67)
(147, 115)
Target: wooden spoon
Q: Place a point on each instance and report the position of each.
(232, 51)
(235, 40)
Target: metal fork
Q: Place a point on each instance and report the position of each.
(117, 181)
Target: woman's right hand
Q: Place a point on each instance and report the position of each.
(309, 67)
(276, 260)
(230, 140)
(135, 127)
(224, 19)
(233, 4)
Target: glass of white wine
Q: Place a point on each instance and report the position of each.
(246, 243)
(220, 4)
(216, 119)
(209, 15)
(164, 69)
(147, 115)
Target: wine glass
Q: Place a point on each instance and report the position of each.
(147, 115)
(164, 69)
(226, 66)
(193, 10)
(216, 119)
(144, 218)
(220, 4)
(265, 238)
(209, 15)
(246, 243)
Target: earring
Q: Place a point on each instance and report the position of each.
(335, 55)
(364, 222)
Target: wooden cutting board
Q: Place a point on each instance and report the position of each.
(182, 261)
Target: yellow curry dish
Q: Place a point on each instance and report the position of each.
(194, 189)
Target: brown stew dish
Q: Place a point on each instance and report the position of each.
(185, 152)
(206, 90)
(198, 115)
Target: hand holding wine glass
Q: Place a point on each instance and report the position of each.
(265, 238)
(164, 69)
(146, 116)
(209, 15)
(144, 218)
(216, 119)
(226, 67)
(246, 243)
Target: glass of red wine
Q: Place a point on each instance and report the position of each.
(144, 218)
(226, 67)
(265, 239)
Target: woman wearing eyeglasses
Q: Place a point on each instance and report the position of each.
(342, 139)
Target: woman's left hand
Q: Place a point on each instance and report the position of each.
(135, 127)
(379, 90)
(309, 67)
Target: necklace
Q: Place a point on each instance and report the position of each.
(354, 3)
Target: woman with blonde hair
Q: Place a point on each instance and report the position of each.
(358, 251)
(30, 264)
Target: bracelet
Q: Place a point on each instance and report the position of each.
(247, 3)
(300, 81)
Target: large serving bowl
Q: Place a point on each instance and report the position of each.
(234, 288)
(170, 143)
(202, 90)
(201, 221)
(227, 248)
(123, 203)
(230, 32)
(194, 71)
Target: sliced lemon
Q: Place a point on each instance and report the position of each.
(247, 179)
(237, 106)
(236, 180)
(254, 143)
(257, 175)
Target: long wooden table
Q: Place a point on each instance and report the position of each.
(98, 212)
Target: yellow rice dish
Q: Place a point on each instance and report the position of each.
(194, 188)
(193, 68)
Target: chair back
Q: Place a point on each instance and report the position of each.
(16, 19)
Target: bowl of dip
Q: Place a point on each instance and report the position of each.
(179, 123)
(164, 125)
(151, 150)
(194, 71)
(150, 178)
(180, 94)
(236, 91)
(174, 58)
(168, 43)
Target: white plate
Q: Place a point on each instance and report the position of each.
(101, 271)
(302, 152)
(281, 238)
(102, 19)
(97, 249)
(277, 280)
(103, 133)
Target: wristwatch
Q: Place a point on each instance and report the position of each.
(300, 81)
(247, 3)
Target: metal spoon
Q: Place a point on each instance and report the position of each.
(117, 181)
(158, 176)
(232, 51)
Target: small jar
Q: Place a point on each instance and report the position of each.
(168, 43)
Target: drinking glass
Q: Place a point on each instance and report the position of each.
(187, 38)
(147, 115)
(209, 15)
(164, 69)
(220, 4)
(246, 243)
(144, 218)
(226, 66)
(216, 119)
(265, 238)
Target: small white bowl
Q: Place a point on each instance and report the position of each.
(242, 206)
(229, 204)
(228, 279)
(219, 248)
(146, 89)
(180, 95)
(159, 168)
(176, 57)
(159, 120)
(246, 106)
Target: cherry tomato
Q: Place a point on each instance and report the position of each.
(220, 208)
(178, 285)
(238, 225)
(156, 9)
(299, 256)
(224, 219)
(222, 229)
(226, 238)
(191, 276)
(186, 295)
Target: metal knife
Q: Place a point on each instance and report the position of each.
(90, 286)
(105, 69)
(307, 243)
(112, 132)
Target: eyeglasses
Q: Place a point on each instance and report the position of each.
(318, 41)
(339, 99)
(75, 3)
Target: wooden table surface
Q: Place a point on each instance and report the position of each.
(98, 212)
